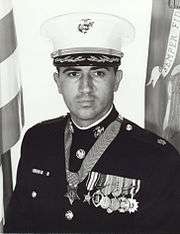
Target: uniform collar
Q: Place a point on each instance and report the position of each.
(95, 123)
(100, 125)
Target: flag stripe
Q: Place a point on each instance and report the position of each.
(11, 106)
(11, 121)
(8, 42)
(6, 7)
(1, 198)
(9, 79)
(7, 178)
(1, 226)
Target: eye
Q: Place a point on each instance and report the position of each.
(73, 74)
(98, 74)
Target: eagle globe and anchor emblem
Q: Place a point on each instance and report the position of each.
(85, 25)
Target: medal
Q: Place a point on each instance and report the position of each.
(92, 180)
(87, 198)
(109, 210)
(108, 187)
(124, 205)
(133, 205)
(96, 198)
(69, 215)
(105, 202)
(118, 188)
(72, 194)
(115, 204)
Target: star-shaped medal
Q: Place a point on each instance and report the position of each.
(87, 198)
(72, 194)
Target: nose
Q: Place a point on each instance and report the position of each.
(85, 84)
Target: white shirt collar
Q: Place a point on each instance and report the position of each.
(95, 123)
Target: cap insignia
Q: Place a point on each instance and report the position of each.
(85, 25)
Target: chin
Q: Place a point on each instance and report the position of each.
(88, 112)
(86, 115)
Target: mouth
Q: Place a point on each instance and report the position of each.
(86, 102)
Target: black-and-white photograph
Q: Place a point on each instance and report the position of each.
(90, 116)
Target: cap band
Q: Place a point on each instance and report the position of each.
(87, 60)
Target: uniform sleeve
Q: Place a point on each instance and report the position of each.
(174, 204)
(172, 221)
(161, 200)
(19, 216)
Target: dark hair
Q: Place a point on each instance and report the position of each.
(115, 69)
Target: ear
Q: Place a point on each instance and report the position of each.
(118, 78)
(58, 81)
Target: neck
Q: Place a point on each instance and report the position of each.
(89, 124)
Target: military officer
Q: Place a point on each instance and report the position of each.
(93, 170)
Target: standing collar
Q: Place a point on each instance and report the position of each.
(95, 123)
(110, 116)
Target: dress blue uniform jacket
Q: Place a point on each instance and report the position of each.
(39, 204)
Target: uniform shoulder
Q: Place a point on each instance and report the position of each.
(57, 120)
(147, 137)
(48, 126)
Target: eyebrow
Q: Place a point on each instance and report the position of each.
(71, 69)
(99, 67)
(92, 68)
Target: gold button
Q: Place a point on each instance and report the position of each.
(80, 153)
(47, 173)
(69, 215)
(129, 127)
(33, 194)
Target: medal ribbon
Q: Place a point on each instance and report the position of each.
(93, 155)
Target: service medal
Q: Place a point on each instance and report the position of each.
(124, 205)
(109, 210)
(118, 187)
(133, 205)
(108, 186)
(105, 202)
(96, 198)
(115, 204)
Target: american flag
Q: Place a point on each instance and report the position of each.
(11, 106)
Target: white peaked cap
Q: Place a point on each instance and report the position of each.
(88, 32)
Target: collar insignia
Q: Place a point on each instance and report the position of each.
(98, 131)
(161, 141)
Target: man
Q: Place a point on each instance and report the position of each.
(93, 170)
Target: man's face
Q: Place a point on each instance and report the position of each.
(88, 91)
